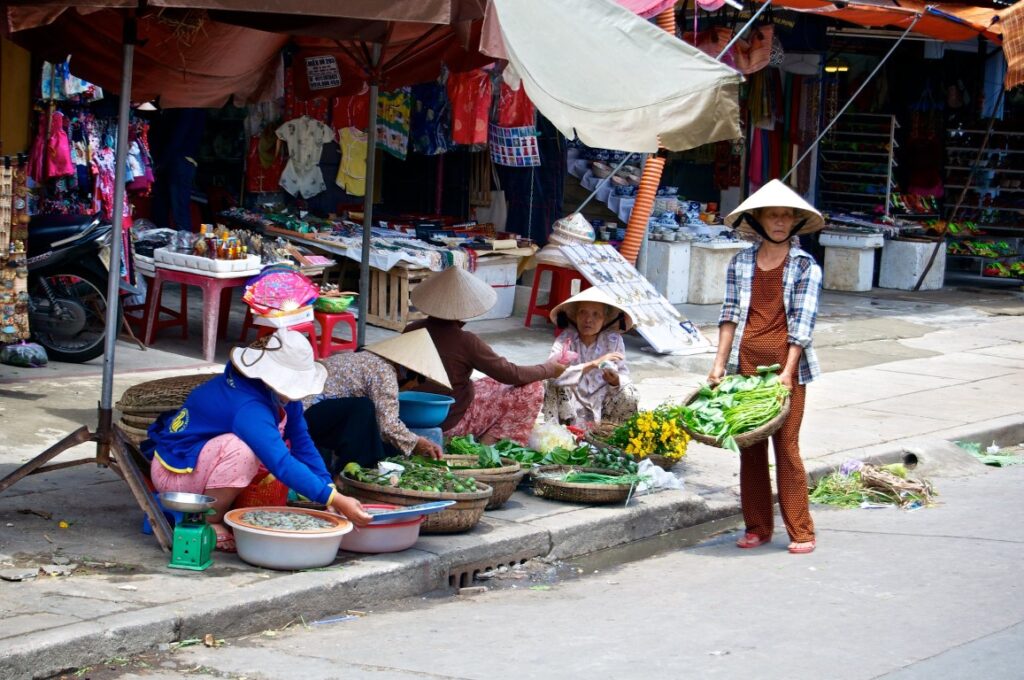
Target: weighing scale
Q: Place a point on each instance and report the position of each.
(194, 538)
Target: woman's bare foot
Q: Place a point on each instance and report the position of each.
(225, 539)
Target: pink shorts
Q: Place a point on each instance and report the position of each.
(225, 462)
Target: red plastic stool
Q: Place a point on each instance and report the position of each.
(561, 289)
(137, 315)
(247, 325)
(308, 327)
(328, 343)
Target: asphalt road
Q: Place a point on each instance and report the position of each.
(934, 593)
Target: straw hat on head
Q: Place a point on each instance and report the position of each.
(453, 294)
(415, 351)
(775, 194)
(284, 362)
(593, 294)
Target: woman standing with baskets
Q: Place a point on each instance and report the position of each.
(771, 301)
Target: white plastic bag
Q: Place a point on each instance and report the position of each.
(657, 478)
(548, 436)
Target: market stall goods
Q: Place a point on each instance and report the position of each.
(287, 538)
(591, 486)
(504, 478)
(739, 411)
(462, 516)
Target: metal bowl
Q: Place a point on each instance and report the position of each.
(186, 502)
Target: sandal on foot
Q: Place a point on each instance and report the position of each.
(752, 540)
(796, 548)
(225, 541)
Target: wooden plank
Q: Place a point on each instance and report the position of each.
(395, 303)
(401, 311)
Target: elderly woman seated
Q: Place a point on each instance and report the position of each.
(595, 387)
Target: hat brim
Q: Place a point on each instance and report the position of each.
(416, 352)
(286, 381)
(592, 294)
(454, 295)
(775, 194)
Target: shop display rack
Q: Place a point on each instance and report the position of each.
(856, 162)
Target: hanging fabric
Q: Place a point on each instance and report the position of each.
(393, 111)
(470, 95)
(514, 147)
(431, 125)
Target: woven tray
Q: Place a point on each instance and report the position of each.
(165, 394)
(137, 421)
(463, 516)
(747, 438)
(503, 480)
(591, 494)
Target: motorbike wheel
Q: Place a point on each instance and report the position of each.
(72, 330)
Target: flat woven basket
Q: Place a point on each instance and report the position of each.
(503, 480)
(157, 396)
(596, 438)
(747, 438)
(463, 516)
(591, 494)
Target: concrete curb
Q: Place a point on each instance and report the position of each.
(432, 565)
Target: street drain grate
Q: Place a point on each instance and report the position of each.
(462, 576)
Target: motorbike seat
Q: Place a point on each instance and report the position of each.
(45, 230)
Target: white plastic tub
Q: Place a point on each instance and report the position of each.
(384, 536)
(287, 550)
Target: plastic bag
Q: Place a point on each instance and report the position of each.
(549, 436)
(657, 478)
(24, 354)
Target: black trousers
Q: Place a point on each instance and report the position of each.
(345, 431)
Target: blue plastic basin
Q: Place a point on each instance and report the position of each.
(423, 409)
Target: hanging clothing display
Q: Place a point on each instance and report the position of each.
(351, 111)
(352, 170)
(264, 165)
(514, 107)
(431, 126)
(470, 95)
(514, 146)
(393, 110)
(305, 138)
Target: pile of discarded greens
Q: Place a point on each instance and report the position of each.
(857, 485)
(993, 455)
(736, 405)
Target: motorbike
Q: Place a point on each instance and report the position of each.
(67, 285)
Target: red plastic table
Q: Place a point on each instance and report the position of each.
(216, 304)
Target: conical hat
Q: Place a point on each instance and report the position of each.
(592, 294)
(453, 294)
(415, 351)
(776, 194)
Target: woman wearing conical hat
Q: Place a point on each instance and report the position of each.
(595, 387)
(505, 403)
(355, 418)
(771, 301)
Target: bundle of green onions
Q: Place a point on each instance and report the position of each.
(736, 405)
(582, 477)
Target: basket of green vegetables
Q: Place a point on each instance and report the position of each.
(592, 486)
(422, 484)
(737, 412)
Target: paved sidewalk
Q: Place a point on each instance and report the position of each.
(899, 374)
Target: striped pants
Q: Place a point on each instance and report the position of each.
(756, 483)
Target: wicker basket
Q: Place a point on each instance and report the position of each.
(157, 396)
(591, 494)
(503, 480)
(664, 462)
(137, 421)
(133, 434)
(462, 516)
(747, 438)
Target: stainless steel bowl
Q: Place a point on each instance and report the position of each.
(186, 502)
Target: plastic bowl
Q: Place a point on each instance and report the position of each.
(423, 409)
(284, 549)
(333, 304)
(384, 536)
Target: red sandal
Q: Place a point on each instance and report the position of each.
(802, 548)
(752, 540)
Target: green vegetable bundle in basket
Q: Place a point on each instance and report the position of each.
(738, 412)
(333, 304)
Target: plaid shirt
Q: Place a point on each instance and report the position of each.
(801, 286)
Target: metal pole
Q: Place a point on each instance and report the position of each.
(113, 320)
(739, 33)
(371, 162)
(850, 101)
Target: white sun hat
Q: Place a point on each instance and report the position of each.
(594, 294)
(415, 351)
(454, 294)
(284, 362)
(775, 194)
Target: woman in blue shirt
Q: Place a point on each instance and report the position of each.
(249, 415)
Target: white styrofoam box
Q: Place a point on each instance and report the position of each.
(205, 264)
(668, 269)
(850, 269)
(300, 315)
(144, 265)
(845, 240)
(903, 262)
(502, 309)
(708, 265)
(497, 271)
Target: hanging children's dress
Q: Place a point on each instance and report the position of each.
(352, 171)
(393, 109)
(305, 138)
(470, 95)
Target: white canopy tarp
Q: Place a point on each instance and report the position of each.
(644, 89)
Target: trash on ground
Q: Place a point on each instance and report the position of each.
(994, 455)
(860, 485)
